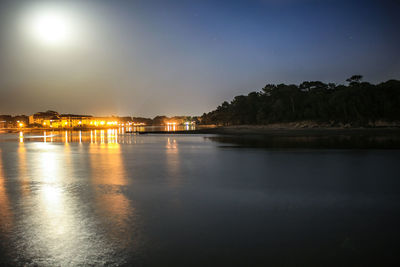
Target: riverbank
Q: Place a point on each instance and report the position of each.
(243, 136)
(278, 130)
(247, 130)
(289, 138)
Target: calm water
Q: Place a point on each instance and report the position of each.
(170, 200)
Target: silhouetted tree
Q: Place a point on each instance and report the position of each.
(358, 103)
(355, 79)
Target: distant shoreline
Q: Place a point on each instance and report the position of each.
(252, 130)
(246, 130)
(267, 137)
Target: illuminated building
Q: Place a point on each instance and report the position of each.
(8, 121)
(52, 119)
(43, 117)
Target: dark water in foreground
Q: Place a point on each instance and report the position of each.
(171, 200)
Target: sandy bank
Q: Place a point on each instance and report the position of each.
(284, 130)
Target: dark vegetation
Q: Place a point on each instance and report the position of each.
(357, 103)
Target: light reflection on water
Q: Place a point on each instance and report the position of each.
(55, 225)
(5, 212)
(105, 198)
(109, 180)
(173, 162)
(52, 228)
(108, 136)
(23, 170)
(95, 136)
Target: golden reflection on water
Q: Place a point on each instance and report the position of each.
(54, 223)
(5, 211)
(106, 161)
(171, 128)
(112, 136)
(23, 169)
(173, 161)
(54, 208)
(109, 178)
(66, 136)
(59, 226)
(101, 136)
(172, 145)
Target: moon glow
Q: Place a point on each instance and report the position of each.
(51, 27)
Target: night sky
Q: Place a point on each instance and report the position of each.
(147, 58)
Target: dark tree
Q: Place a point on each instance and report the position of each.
(355, 79)
(359, 103)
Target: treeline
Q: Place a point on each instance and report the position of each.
(357, 103)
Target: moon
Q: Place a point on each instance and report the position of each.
(51, 27)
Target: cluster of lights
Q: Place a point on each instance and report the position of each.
(187, 123)
(45, 124)
(102, 123)
(115, 123)
(20, 124)
(91, 123)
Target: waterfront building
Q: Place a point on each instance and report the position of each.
(44, 118)
(55, 120)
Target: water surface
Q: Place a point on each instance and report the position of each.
(174, 200)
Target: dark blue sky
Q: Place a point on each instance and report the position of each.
(186, 57)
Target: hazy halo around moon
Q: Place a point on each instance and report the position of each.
(50, 26)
